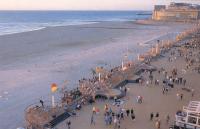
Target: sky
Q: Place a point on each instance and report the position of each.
(82, 4)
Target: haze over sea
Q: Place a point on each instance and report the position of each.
(22, 21)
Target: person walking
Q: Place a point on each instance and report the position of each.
(158, 124)
(115, 122)
(157, 116)
(167, 119)
(42, 103)
(133, 116)
(110, 119)
(119, 124)
(151, 116)
(181, 96)
(132, 111)
(178, 96)
(92, 120)
(163, 90)
(122, 115)
(69, 124)
(106, 118)
(192, 92)
(125, 90)
(93, 110)
(184, 82)
(127, 112)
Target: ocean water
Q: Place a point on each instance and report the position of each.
(22, 21)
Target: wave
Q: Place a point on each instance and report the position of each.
(12, 28)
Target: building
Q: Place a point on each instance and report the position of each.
(189, 117)
(176, 12)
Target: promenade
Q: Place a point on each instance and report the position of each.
(154, 100)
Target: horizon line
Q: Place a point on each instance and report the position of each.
(72, 10)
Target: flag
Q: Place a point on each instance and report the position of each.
(99, 69)
(54, 87)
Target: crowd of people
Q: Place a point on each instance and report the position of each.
(111, 117)
(90, 86)
(171, 78)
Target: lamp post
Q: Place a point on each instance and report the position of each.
(138, 56)
(122, 64)
(123, 60)
(99, 70)
(53, 101)
(157, 47)
(53, 90)
(99, 76)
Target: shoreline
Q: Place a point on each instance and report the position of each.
(44, 70)
(46, 27)
(67, 25)
(140, 22)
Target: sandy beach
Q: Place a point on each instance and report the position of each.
(154, 99)
(31, 61)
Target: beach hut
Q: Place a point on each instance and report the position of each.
(189, 117)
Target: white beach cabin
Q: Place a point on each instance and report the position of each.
(189, 117)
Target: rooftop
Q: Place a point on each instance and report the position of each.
(178, 6)
(193, 106)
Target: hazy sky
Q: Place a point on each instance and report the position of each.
(81, 4)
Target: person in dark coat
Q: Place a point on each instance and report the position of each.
(132, 112)
(133, 116)
(42, 103)
(157, 115)
(151, 116)
(127, 112)
(68, 124)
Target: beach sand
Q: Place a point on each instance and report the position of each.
(31, 61)
(153, 100)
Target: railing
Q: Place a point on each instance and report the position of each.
(184, 125)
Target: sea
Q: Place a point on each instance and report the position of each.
(23, 21)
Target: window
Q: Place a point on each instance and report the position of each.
(192, 120)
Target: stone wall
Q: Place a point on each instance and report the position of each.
(176, 15)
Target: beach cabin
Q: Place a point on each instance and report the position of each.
(189, 117)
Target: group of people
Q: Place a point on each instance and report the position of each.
(90, 86)
(156, 118)
(113, 118)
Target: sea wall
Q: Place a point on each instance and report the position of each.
(176, 15)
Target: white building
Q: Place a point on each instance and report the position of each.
(189, 117)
